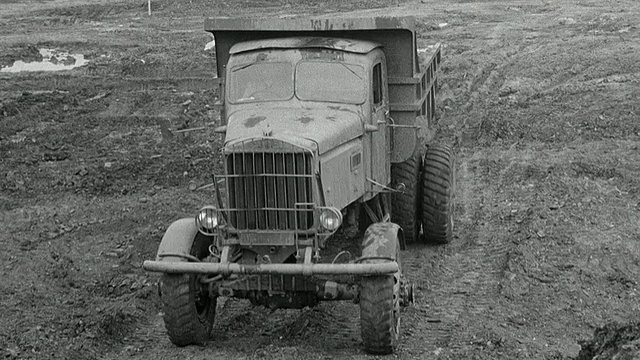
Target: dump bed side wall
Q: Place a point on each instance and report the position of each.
(411, 94)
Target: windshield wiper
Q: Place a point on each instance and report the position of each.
(243, 67)
(348, 68)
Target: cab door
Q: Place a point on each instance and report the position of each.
(379, 139)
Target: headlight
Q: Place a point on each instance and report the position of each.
(330, 219)
(207, 220)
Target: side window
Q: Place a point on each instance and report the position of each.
(377, 84)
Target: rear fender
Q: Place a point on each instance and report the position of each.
(178, 239)
(381, 242)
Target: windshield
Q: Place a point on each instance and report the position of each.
(314, 81)
(330, 81)
(261, 81)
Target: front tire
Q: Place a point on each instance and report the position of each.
(189, 308)
(380, 294)
(380, 313)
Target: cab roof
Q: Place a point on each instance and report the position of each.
(347, 45)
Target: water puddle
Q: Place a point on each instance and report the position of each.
(52, 60)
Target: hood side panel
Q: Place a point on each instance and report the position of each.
(342, 174)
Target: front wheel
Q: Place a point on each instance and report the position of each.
(380, 295)
(189, 308)
(379, 313)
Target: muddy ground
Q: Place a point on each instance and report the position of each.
(539, 99)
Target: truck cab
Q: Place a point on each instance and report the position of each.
(327, 93)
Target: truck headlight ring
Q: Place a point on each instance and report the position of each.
(207, 220)
(330, 218)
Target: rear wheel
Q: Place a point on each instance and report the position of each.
(189, 308)
(405, 177)
(438, 185)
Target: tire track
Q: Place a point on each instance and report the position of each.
(459, 284)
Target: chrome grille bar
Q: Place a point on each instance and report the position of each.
(270, 190)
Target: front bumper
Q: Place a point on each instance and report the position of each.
(178, 267)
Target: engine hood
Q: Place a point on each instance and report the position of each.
(328, 128)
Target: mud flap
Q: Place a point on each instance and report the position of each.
(381, 242)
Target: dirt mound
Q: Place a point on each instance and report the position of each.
(614, 342)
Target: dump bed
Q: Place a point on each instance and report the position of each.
(411, 77)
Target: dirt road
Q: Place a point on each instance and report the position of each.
(539, 99)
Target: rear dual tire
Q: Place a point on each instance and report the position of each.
(438, 187)
(425, 200)
(405, 212)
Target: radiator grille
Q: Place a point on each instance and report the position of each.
(270, 191)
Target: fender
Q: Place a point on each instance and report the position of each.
(178, 239)
(381, 242)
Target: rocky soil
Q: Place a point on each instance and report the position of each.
(538, 98)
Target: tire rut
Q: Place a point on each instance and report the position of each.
(458, 283)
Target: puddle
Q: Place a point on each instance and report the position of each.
(52, 60)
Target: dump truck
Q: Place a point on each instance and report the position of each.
(327, 124)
